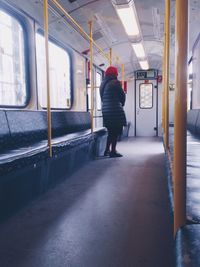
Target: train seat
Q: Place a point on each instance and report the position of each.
(192, 117)
(188, 246)
(23, 135)
(25, 166)
(70, 129)
(187, 239)
(24, 139)
(193, 159)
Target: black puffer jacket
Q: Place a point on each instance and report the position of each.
(113, 99)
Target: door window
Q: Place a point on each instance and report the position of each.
(146, 96)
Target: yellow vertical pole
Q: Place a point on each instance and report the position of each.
(167, 55)
(46, 34)
(91, 75)
(164, 83)
(180, 116)
(110, 56)
(123, 75)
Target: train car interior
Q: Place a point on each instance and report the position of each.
(66, 199)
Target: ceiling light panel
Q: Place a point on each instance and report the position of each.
(139, 50)
(128, 17)
(144, 64)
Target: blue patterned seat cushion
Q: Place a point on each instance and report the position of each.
(72, 140)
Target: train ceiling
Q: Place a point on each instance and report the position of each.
(108, 30)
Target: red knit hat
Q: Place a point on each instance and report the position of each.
(111, 71)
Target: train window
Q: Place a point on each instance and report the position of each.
(146, 95)
(89, 93)
(59, 63)
(12, 62)
(98, 83)
(89, 96)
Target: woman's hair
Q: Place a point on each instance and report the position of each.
(111, 71)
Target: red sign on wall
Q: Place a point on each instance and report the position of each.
(159, 78)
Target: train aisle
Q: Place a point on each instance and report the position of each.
(111, 213)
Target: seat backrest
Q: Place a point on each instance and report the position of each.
(69, 122)
(5, 137)
(26, 127)
(193, 122)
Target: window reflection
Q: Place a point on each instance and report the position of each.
(98, 83)
(59, 64)
(12, 62)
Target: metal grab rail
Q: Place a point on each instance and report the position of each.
(58, 5)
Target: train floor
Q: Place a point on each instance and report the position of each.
(114, 212)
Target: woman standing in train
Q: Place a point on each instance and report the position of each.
(113, 100)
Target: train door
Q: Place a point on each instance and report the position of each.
(146, 103)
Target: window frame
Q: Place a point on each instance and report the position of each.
(98, 71)
(22, 21)
(88, 88)
(140, 95)
(70, 54)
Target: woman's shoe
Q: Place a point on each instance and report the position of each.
(115, 155)
(106, 153)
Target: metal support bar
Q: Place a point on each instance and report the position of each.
(167, 55)
(46, 34)
(91, 75)
(180, 114)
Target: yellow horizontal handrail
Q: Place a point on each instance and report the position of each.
(80, 28)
